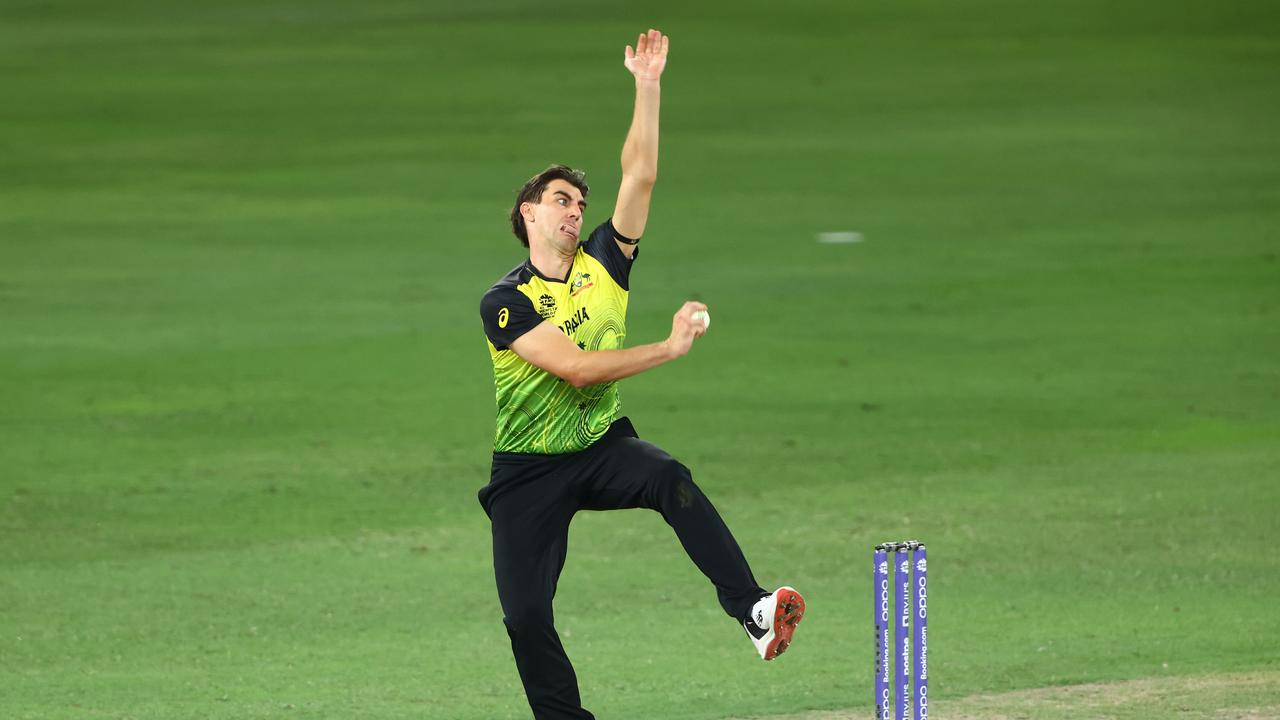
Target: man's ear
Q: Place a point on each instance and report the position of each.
(526, 211)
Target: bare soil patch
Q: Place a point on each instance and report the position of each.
(1240, 696)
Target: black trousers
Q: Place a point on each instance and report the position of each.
(531, 499)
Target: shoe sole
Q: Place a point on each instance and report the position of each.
(787, 615)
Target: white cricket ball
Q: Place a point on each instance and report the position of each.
(705, 317)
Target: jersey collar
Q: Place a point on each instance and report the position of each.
(529, 265)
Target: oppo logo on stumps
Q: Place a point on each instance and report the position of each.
(884, 601)
(922, 598)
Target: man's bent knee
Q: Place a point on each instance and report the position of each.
(673, 485)
(526, 620)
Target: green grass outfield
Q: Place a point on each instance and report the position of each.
(245, 402)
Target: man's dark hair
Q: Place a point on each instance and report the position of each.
(532, 192)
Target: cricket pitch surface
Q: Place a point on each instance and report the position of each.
(1239, 696)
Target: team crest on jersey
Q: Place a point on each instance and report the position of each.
(547, 307)
(581, 281)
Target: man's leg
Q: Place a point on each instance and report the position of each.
(626, 472)
(530, 539)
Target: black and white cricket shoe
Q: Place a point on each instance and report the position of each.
(773, 620)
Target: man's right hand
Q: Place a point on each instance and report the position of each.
(685, 328)
(546, 347)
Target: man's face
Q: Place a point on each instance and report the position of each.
(557, 218)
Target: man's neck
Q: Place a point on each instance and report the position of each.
(551, 262)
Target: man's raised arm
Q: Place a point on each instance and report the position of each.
(640, 151)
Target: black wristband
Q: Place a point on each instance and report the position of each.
(624, 239)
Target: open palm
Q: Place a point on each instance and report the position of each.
(647, 60)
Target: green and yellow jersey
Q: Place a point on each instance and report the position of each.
(538, 412)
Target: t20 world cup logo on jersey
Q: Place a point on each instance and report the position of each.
(547, 307)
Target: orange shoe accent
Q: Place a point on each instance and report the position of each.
(787, 615)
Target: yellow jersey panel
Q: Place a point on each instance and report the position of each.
(538, 412)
